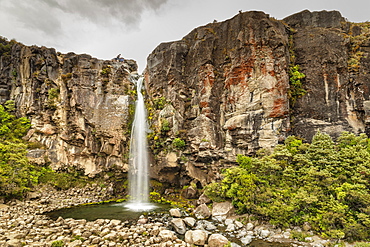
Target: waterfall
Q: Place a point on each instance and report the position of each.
(138, 161)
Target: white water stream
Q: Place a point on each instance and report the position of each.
(139, 161)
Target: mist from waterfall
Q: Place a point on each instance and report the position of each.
(138, 161)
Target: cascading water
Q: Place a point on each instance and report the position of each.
(138, 170)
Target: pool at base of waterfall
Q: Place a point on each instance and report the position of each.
(119, 211)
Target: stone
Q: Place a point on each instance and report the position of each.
(264, 233)
(203, 199)
(238, 224)
(190, 221)
(229, 221)
(230, 228)
(190, 192)
(179, 225)
(217, 240)
(115, 222)
(75, 243)
(202, 212)
(14, 243)
(166, 235)
(246, 240)
(221, 210)
(197, 237)
(249, 226)
(175, 212)
(142, 221)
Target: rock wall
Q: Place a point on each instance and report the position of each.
(222, 90)
(78, 106)
(334, 55)
(227, 87)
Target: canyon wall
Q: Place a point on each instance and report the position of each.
(222, 90)
(78, 106)
(228, 86)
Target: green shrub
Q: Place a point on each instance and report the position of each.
(362, 244)
(324, 183)
(57, 243)
(165, 126)
(178, 143)
(299, 235)
(17, 175)
(160, 103)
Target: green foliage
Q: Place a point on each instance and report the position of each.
(53, 94)
(62, 180)
(324, 183)
(17, 175)
(362, 244)
(106, 71)
(160, 103)
(12, 128)
(165, 127)
(299, 235)
(296, 89)
(178, 143)
(9, 105)
(57, 243)
(6, 46)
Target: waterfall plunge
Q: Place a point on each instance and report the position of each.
(139, 162)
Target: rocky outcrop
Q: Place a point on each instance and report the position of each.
(229, 88)
(78, 106)
(334, 56)
(228, 83)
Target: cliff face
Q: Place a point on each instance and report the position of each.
(78, 106)
(334, 55)
(224, 89)
(228, 85)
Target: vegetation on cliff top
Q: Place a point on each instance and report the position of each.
(6, 46)
(325, 184)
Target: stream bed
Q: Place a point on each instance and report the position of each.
(119, 211)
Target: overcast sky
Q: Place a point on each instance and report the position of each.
(105, 28)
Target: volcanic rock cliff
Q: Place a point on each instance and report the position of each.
(224, 89)
(229, 86)
(78, 106)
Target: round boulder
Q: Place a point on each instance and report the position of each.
(217, 240)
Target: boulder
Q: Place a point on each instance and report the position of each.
(175, 212)
(203, 199)
(14, 243)
(197, 237)
(179, 225)
(166, 235)
(202, 212)
(190, 221)
(217, 240)
(246, 240)
(221, 210)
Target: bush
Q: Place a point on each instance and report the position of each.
(17, 175)
(57, 243)
(323, 183)
(178, 143)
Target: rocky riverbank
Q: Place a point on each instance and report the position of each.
(22, 223)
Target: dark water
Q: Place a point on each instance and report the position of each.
(116, 211)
